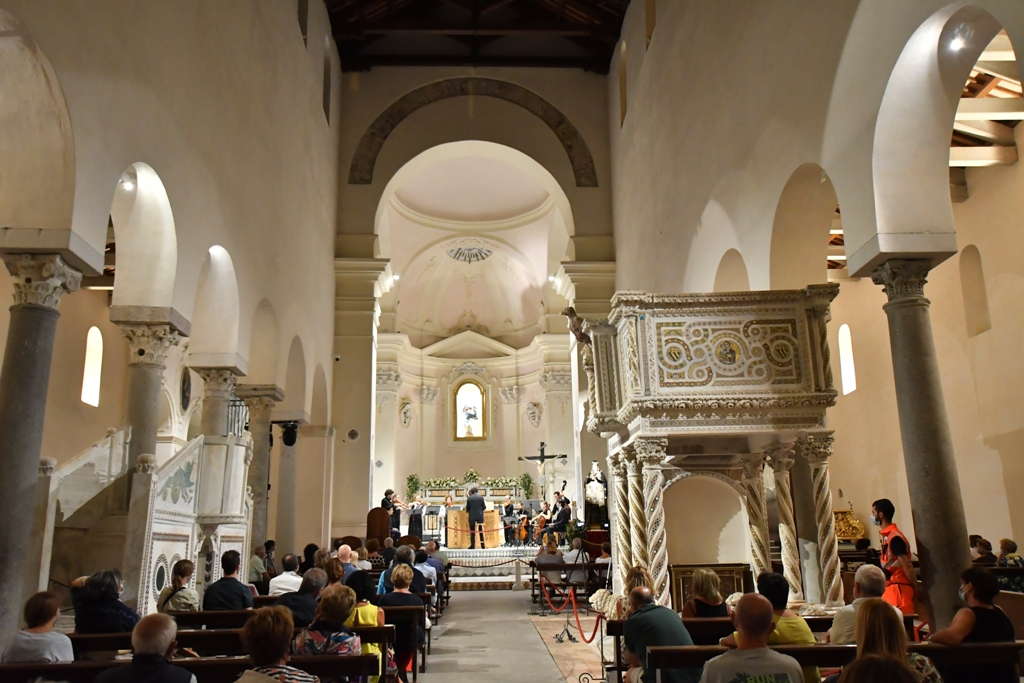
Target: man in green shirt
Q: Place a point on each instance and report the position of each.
(650, 624)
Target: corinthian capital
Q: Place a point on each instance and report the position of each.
(650, 452)
(816, 447)
(260, 398)
(41, 279)
(753, 465)
(149, 344)
(617, 464)
(781, 456)
(219, 382)
(902, 278)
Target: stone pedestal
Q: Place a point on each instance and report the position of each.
(939, 524)
(781, 459)
(260, 399)
(817, 448)
(40, 280)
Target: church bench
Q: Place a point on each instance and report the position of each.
(211, 642)
(414, 617)
(228, 618)
(265, 600)
(582, 592)
(206, 669)
(831, 656)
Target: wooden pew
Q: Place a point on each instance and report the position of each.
(661, 658)
(212, 642)
(212, 619)
(206, 669)
(589, 567)
(265, 600)
(414, 617)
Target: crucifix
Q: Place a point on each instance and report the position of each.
(542, 459)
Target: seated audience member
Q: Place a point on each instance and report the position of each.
(790, 629)
(752, 660)
(308, 557)
(406, 641)
(985, 557)
(335, 572)
(403, 555)
(434, 561)
(270, 557)
(38, 642)
(972, 541)
(257, 566)
(345, 557)
(328, 635)
(868, 582)
(651, 624)
(979, 622)
(302, 603)
(365, 613)
(1008, 556)
(98, 608)
(322, 557)
(363, 561)
(267, 637)
(550, 554)
(874, 669)
(152, 645)
(576, 555)
(388, 553)
(228, 593)
(373, 554)
(880, 632)
(288, 580)
(635, 577)
(434, 549)
(177, 596)
(604, 558)
(707, 598)
(423, 567)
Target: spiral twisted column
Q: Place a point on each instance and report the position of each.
(781, 458)
(637, 515)
(757, 513)
(817, 448)
(650, 455)
(620, 514)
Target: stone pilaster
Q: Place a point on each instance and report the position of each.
(623, 555)
(939, 522)
(260, 400)
(637, 514)
(40, 281)
(651, 455)
(817, 448)
(781, 458)
(757, 513)
(138, 534)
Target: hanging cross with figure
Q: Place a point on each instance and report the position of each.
(542, 459)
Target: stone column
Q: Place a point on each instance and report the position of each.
(219, 385)
(619, 508)
(260, 399)
(637, 516)
(782, 459)
(938, 508)
(40, 280)
(651, 456)
(149, 344)
(757, 513)
(817, 448)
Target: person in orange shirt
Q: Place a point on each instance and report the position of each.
(901, 577)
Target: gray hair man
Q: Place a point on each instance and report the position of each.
(302, 602)
(868, 582)
(152, 645)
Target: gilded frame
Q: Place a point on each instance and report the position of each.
(484, 403)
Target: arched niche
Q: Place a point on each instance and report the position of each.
(145, 239)
(37, 176)
(732, 273)
(215, 316)
(806, 209)
(705, 522)
(972, 283)
(319, 411)
(264, 343)
(294, 405)
(470, 418)
(715, 235)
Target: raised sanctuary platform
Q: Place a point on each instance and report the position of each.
(502, 568)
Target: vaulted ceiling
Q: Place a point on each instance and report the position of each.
(552, 33)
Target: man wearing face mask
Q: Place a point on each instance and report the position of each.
(895, 558)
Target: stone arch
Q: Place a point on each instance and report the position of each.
(294, 405)
(37, 177)
(732, 273)
(372, 141)
(715, 236)
(264, 343)
(319, 411)
(145, 238)
(800, 228)
(214, 340)
(705, 519)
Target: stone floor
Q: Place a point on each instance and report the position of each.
(489, 635)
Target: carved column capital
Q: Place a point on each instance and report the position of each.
(47, 466)
(816, 447)
(650, 452)
(41, 279)
(781, 456)
(149, 344)
(753, 466)
(617, 464)
(219, 382)
(146, 464)
(260, 399)
(902, 278)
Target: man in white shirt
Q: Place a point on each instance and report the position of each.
(868, 582)
(288, 581)
(576, 556)
(752, 660)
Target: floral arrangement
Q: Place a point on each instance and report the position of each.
(471, 476)
(412, 486)
(499, 482)
(440, 483)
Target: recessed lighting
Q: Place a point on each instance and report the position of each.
(956, 44)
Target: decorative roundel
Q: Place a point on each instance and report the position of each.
(161, 576)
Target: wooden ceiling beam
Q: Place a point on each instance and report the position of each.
(975, 157)
(999, 50)
(989, 131)
(990, 108)
(361, 62)
(1005, 70)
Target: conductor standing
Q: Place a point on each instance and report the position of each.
(475, 506)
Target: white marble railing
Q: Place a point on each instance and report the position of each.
(84, 476)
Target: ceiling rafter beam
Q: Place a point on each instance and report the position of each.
(990, 108)
(974, 157)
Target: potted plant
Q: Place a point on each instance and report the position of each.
(412, 486)
(526, 485)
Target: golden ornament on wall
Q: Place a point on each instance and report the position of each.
(848, 527)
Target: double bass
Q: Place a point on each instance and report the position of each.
(539, 522)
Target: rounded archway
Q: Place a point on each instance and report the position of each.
(732, 273)
(264, 343)
(214, 339)
(705, 522)
(807, 230)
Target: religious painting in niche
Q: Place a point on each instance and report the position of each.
(469, 411)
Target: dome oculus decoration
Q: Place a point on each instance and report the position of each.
(469, 254)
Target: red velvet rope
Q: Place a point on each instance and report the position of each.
(579, 626)
(568, 599)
